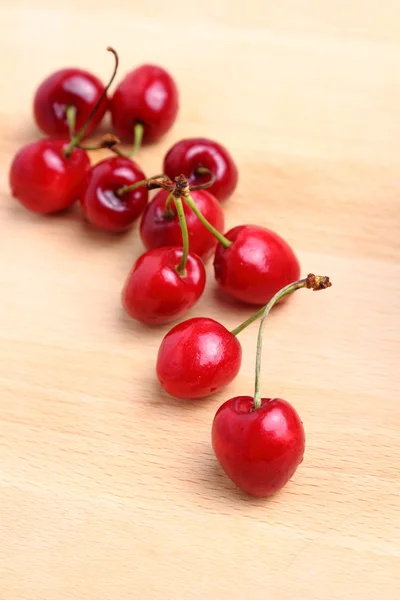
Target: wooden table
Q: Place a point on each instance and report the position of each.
(108, 489)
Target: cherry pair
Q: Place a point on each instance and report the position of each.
(259, 442)
(147, 98)
(250, 263)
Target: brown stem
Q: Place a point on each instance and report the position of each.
(206, 184)
(78, 136)
(151, 183)
(108, 140)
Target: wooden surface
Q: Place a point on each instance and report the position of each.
(108, 489)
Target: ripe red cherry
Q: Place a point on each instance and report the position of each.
(197, 358)
(256, 265)
(147, 95)
(259, 449)
(189, 155)
(157, 229)
(44, 179)
(102, 205)
(154, 292)
(68, 87)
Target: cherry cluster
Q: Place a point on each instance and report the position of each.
(258, 441)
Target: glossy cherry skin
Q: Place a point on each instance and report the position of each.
(256, 266)
(155, 294)
(259, 450)
(197, 358)
(186, 156)
(68, 87)
(157, 230)
(100, 203)
(147, 95)
(44, 180)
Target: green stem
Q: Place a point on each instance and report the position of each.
(191, 203)
(89, 148)
(137, 138)
(258, 314)
(71, 120)
(168, 209)
(77, 138)
(134, 186)
(181, 267)
(314, 282)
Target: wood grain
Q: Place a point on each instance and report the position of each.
(108, 489)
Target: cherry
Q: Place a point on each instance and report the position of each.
(104, 202)
(259, 442)
(197, 358)
(195, 157)
(69, 88)
(146, 96)
(44, 179)
(161, 228)
(155, 293)
(254, 264)
(261, 449)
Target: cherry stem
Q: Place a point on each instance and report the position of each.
(76, 139)
(151, 183)
(138, 131)
(217, 234)
(168, 210)
(109, 140)
(71, 120)
(313, 282)
(181, 267)
(182, 188)
(206, 184)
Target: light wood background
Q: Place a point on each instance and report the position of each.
(108, 489)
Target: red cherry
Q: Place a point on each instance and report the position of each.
(259, 449)
(44, 179)
(102, 205)
(154, 292)
(188, 155)
(256, 265)
(197, 358)
(68, 87)
(147, 95)
(157, 229)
